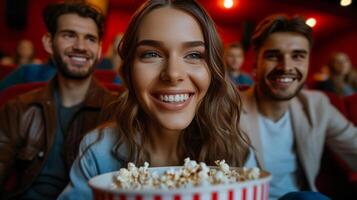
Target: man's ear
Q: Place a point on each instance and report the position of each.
(47, 43)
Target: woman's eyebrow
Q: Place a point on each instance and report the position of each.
(194, 43)
(154, 43)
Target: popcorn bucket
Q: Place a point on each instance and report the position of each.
(247, 190)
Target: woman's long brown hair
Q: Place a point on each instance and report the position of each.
(214, 132)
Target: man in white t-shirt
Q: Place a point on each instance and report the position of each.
(289, 126)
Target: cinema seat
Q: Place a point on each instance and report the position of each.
(105, 76)
(19, 89)
(336, 179)
(5, 70)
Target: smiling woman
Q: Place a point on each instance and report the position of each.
(179, 103)
(170, 73)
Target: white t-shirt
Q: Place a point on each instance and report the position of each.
(279, 154)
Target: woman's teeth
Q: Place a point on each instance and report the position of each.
(174, 98)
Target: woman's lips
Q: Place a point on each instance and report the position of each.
(173, 101)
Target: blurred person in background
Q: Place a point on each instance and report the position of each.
(28, 73)
(25, 54)
(322, 74)
(112, 60)
(40, 131)
(234, 58)
(343, 77)
(44, 72)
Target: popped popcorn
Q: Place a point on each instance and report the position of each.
(191, 174)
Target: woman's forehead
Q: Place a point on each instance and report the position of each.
(168, 23)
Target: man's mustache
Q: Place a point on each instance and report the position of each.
(296, 74)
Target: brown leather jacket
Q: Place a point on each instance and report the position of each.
(27, 132)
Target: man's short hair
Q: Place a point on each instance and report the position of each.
(52, 12)
(280, 23)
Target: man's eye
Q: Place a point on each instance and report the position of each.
(299, 56)
(271, 56)
(150, 54)
(92, 39)
(69, 35)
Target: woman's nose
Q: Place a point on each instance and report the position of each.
(173, 71)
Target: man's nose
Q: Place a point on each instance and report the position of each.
(286, 63)
(79, 44)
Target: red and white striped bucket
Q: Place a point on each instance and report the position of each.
(248, 190)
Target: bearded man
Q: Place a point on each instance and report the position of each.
(288, 125)
(40, 131)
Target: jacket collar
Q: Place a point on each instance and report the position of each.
(301, 125)
(249, 101)
(302, 129)
(250, 112)
(93, 96)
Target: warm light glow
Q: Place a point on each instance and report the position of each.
(228, 3)
(345, 2)
(101, 4)
(311, 22)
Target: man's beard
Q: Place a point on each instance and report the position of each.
(267, 92)
(66, 72)
(265, 89)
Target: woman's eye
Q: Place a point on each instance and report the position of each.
(150, 54)
(195, 55)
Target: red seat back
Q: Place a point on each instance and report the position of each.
(336, 178)
(105, 76)
(338, 102)
(5, 70)
(114, 87)
(19, 89)
(243, 87)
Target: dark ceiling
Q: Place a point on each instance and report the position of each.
(331, 17)
(256, 9)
